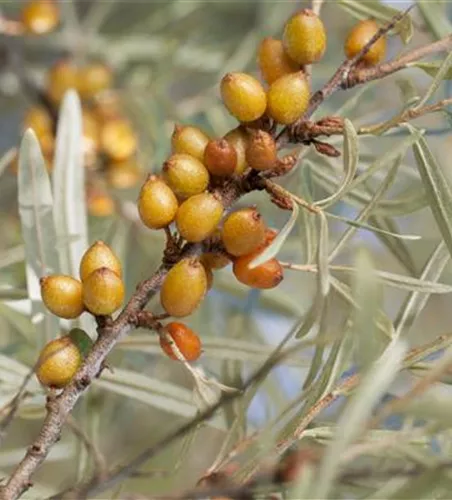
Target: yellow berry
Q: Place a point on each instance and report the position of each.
(189, 140)
(61, 77)
(40, 16)
(93, 78)
(243, 96)
(215, 260)
(103, 292)
(123, 175)
(118, 139)
(220, 157)
(185, 339)
(198, 217)
(238, 138)
(99, 255)
(185, 175)
(288, 98)
(62, 295)
(243, 232)
(305, 37)
(274, 61)
(157, 204)
(99, 203)
(359, 36)
(39, 119)
(261, 153)
(184, 288)
(107, 106)
(58, 362)
(267, 275)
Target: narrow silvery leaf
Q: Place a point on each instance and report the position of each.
(353, 420)
(432, 68)
(435, 17)
(38, 229)
(322, 256)
(441, 74)
(276, 245)
(69, 185)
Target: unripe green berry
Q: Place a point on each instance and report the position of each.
(186, 340)
(359, 36)
(103, 292)
(288, 98)
(157, 204)
(98, 255)
(220, 158)
(243, 231)
(274, 61)
(189, 140)
(261, 153)
(243, 96)
(185, 175)
(305, 37)
(62, 295)
(198, 217)
(183, 288)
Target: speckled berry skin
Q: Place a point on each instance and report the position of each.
(359, 36)
(98, 255)
(243, 232)
(186, 340)
(274, 61)
(183, 288)
(62, 295)
(185, 175)
(157, 203)
(189, 140)
(103, 292)
(243, 96)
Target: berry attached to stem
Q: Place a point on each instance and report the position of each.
(186, 340)
(359, 37)
(243, 232)
(157, 203)
(62, 295)
(189, 140)
(274, 61)
(103, 292)
(185, 175)
(98, 255)
(220, 158)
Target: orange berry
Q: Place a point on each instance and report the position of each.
(99, 203)
(270, 235)
(157, 204)
(58, 362)
(274, 61)
(185, 175)
(214, 260)
(189, 140)
(288, 98)
(61, 77)
(267, 275)
(305, 37)
(261, 153)
(40, 16)
(359, 36)
(243, 231)
(39, 119)
(184, 288)
(62, 295)
(118, 139)
(103, 292)
(185, 339)
(93, 78)
(91, 136)
(107, 106)
(243, 96)
(98, 255)
(123, 175)
(220, 157)
(198, 217)
(238, 138)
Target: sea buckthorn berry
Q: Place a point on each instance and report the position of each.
(123, 175)
(243, 232)
(189, 140)
(184, 288)
(359, 36)
(118, 139)
(39, 119)
(215, 260)
(270, 235)
(99, 203)
(58, 362)
(62, 295)
(243, 96)
(93, 78)
(40, 16)
(185, 175)
(288, 98)
(107, 106)
(98, 255)
(238, 138)
(103, 292)
(267, 275)
(91, 136)
(261, 153)
(61, 77)
(185, 339)
(274, 61)
(157, 204)
(305, 37)
(82, 340)
(220, 158)
(198, 217)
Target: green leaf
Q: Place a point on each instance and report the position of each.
(276, 245)
(38, 229)
(432, 68)
(435, 16)
(351, 157)
(358, 410)
(380, 12)
(322, 257)
(437, 188)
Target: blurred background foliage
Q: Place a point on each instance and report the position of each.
(168, 58)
